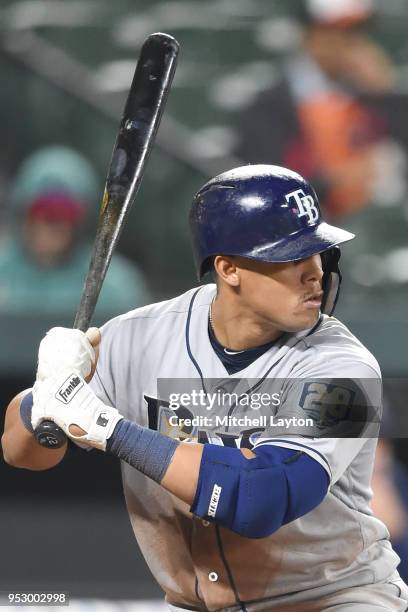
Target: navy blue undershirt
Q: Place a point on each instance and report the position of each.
(238, 360)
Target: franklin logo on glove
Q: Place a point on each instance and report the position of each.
(69, 388)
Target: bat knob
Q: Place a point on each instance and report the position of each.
(48, 434)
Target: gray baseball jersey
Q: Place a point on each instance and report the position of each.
(337, 545)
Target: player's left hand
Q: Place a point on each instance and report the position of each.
(67, 400)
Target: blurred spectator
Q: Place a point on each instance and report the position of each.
(45, 258)
(318, 118)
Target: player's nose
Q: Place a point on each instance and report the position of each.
(312, 270)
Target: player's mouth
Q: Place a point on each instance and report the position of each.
(313, 300)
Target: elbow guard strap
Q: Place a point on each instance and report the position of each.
(254, 497)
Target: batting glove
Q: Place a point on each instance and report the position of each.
(67, 400)
(63, 350)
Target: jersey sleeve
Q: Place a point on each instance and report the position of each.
(329, 418)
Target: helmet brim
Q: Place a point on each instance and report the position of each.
(301, 244)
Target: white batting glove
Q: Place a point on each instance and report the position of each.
(63, 350)
(67, 400)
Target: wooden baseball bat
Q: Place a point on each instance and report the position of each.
(141, 117)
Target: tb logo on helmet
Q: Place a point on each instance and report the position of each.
(306, 205)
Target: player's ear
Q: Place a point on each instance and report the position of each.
(226, 270)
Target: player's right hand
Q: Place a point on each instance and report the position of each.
(65, 349)
(69, 402)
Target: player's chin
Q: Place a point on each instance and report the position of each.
(305, 318)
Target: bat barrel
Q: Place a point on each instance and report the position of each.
(143, 110)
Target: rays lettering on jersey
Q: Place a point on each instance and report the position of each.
(305, 204)
(159, 412)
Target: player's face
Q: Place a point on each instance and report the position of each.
(286, 295)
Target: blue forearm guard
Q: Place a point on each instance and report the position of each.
(254, 497)
(148, 451)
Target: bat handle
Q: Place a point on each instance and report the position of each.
(48, 434)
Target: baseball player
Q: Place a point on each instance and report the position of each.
(235, 508)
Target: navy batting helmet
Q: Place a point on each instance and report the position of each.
(267, 213)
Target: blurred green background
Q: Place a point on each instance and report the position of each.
(56, 52)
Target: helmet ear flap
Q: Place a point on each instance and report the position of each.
(331, 279)
(206, 266)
